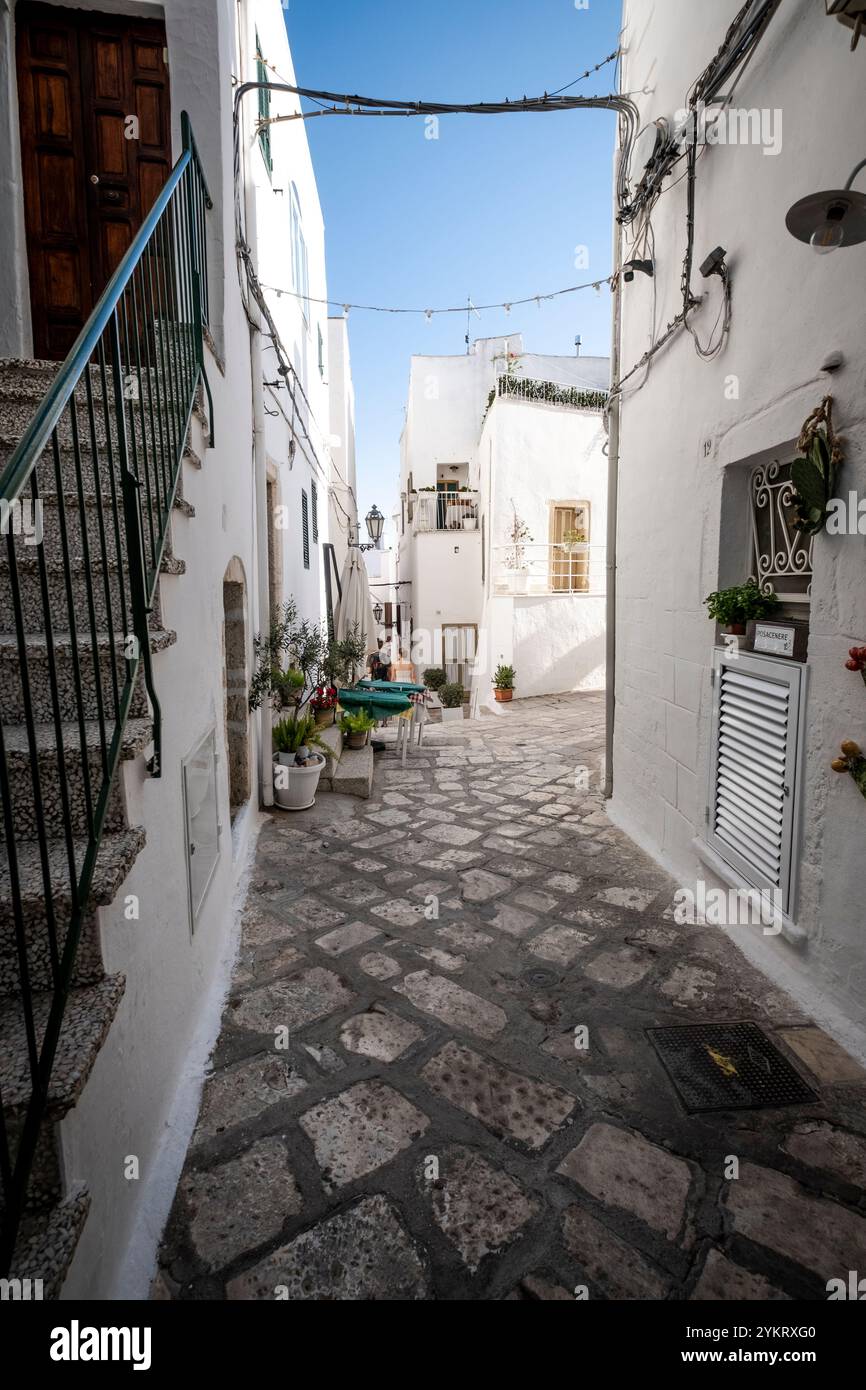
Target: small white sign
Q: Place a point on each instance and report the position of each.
(778, 640)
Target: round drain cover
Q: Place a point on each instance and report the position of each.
(541, 979)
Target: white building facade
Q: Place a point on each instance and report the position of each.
(503, 517)
(721, 757)
(254, 513)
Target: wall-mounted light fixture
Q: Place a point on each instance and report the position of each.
(646, 267)
(375, 522)
(378, 612)
(830, 220)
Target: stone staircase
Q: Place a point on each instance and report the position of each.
(55, 1211)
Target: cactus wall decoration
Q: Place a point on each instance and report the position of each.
(852, 759)
(814, 474)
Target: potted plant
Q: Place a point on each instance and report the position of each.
(515, 556)
(324, 705)
(434, 678)
(356, 728)
(451, 697)
(574, 542)
(297, 766)
(503, 684)
(733, 608)
(294, 661)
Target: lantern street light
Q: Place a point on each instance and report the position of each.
(375, 522)
(378, 612)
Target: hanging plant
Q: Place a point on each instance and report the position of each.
(814, 474)
(853, 762)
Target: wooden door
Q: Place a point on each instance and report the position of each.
(95, 149)
(569, 571)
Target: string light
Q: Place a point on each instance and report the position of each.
(507, 304)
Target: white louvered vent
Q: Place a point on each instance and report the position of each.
(753, 788)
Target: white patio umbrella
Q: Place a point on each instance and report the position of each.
(355, 608)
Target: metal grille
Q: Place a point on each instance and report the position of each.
(727, 1066)
(782, 555)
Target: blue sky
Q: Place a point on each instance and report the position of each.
(495, 208)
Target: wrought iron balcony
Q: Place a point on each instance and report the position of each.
(445, 511)
(536, 570)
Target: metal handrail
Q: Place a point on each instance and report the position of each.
(560, 393)
(103, 455)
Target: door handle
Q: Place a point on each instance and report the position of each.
(94, 178)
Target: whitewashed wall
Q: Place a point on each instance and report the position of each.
(684, 430)
(143, 1094)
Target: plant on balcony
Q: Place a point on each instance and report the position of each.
(518, 539)
(814, 474)
(734, 607)
(503, 683)
(434, 678)
(574, 541)
(356, 728)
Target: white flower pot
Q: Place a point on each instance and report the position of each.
(519, 581)
(450, 716)
(574, 547)
(301, 783)
(470, 523)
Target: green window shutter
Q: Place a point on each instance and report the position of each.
(314, 497)
(264, 108)
(305, 520)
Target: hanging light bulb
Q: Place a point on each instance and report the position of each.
(830, 234)
(507, 308)
(346, 308)
(428, 314)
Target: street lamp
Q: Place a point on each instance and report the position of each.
(378, 612)
(832, 219)
(375, 522)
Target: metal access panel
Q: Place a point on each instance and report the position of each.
(728, 1066)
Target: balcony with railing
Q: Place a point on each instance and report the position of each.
(444, 511)
(558, 393)
(537, 570)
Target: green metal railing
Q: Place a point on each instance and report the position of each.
(98, 467)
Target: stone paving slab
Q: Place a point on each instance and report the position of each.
(434, 1080)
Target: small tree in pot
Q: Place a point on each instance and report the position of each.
(503, 683)
(451, 697)
(357, 728)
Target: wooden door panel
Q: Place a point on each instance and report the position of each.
(87, 184)
(52, 149)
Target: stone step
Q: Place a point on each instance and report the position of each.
(102, 583)
(116, 856)
(137, 734)
(89, 1013)
(95, 476)
(353, 775)
(12, 702)
(47, 1242)
(88, 527)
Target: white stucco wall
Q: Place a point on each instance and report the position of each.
(692, 423)
(142, 1096)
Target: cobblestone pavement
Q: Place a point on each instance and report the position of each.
(432, 1131)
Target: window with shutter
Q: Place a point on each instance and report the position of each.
(305, 528)
(755, 769)
(264, 108)
(314, 496)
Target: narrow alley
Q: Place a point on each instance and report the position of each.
(434, 1078)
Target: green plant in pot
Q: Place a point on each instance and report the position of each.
(503, 683)
(356, 728)
(451, 697)
(434, 678)
(574, 542)
(733, 608)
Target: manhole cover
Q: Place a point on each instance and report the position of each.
(727, 1066)
(541, 979)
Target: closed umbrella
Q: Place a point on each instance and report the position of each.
(355, 608)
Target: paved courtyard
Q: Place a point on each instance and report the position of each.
(433, 1079)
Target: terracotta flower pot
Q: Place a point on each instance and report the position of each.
(356, 740)
(503, 696)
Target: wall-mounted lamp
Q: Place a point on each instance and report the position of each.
(378, 612)
(832, 219)
(628, 270)
(375, 522)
